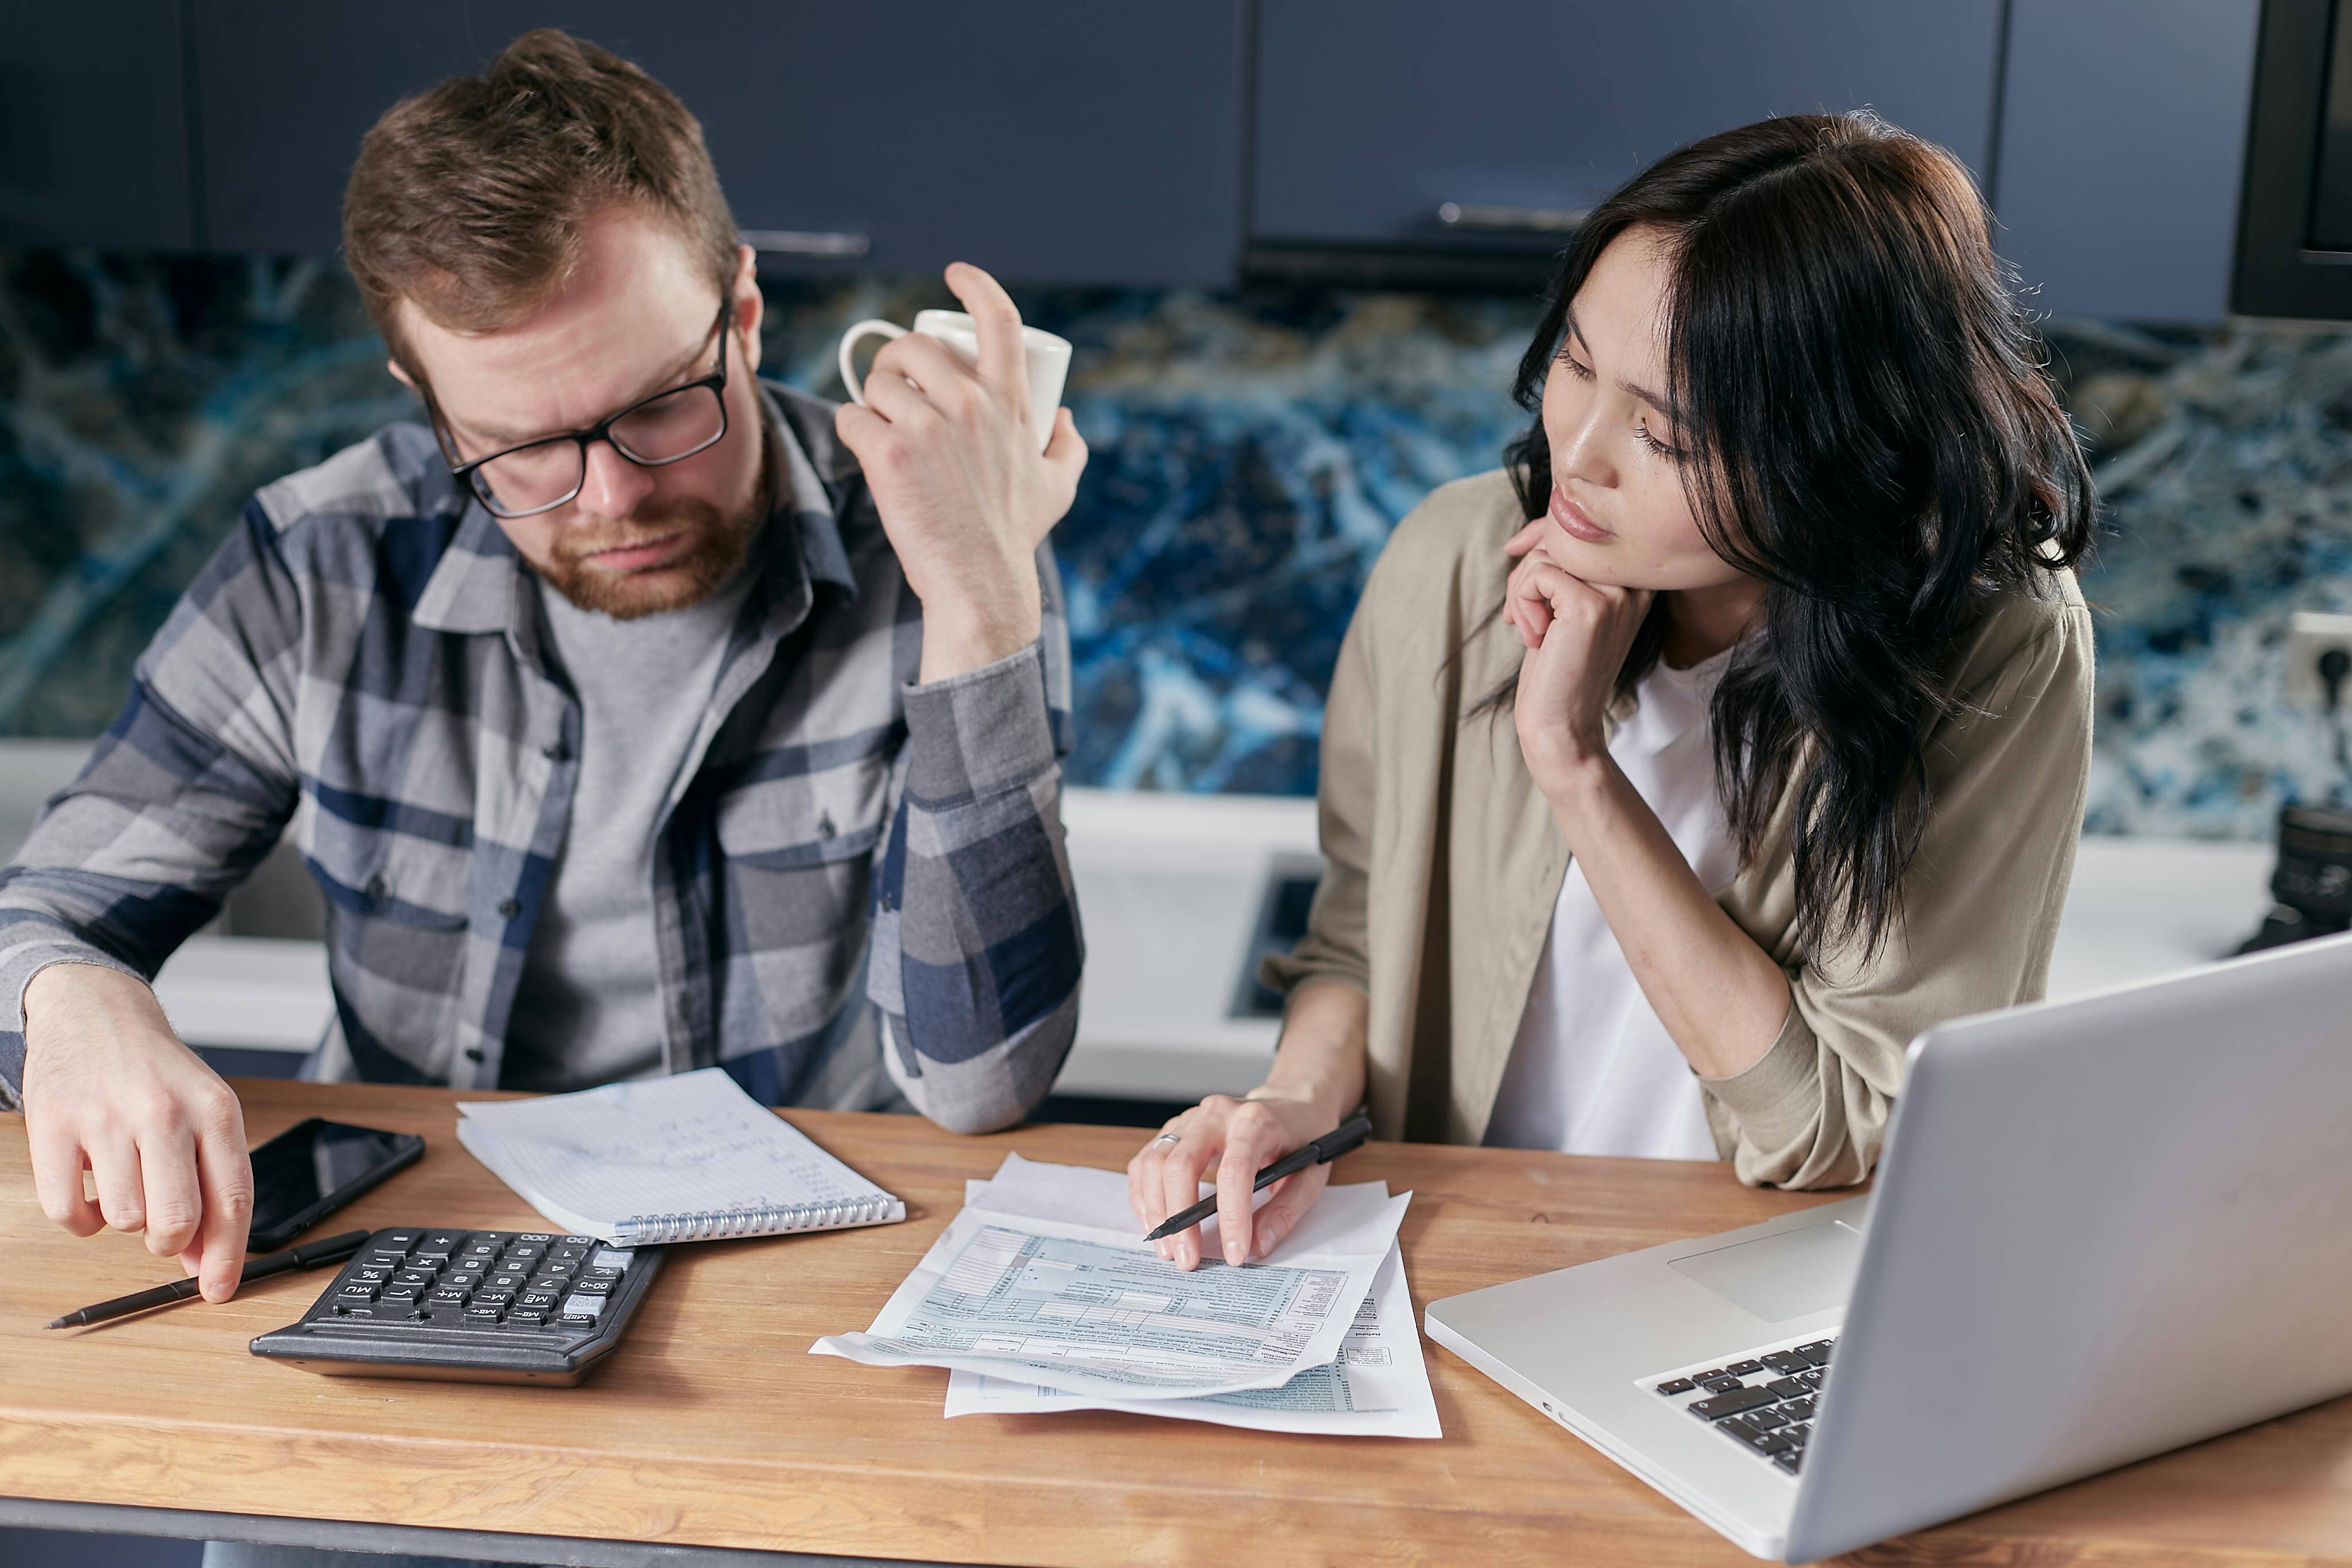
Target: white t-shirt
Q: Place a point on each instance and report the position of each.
(1593, 1070)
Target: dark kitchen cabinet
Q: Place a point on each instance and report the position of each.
(2123, 131)
(1375, 116)
(94, 127)
(1051, 141)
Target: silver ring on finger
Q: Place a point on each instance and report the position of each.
(1167, 1138)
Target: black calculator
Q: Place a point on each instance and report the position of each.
(472, 1306)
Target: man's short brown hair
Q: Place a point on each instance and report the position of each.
(468, 198)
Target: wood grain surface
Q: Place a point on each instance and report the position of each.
(712, 1425)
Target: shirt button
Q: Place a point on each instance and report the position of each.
(375, 890)
(473, 1053)
(509, 908)
(825, 827)
(557, 752)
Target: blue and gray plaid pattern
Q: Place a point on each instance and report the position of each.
(362, 664)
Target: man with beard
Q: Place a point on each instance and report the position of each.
(633, 716)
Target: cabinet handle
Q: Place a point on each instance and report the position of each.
(1521, 220)
(805, 242)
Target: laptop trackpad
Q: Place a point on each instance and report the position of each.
(1785, 1276)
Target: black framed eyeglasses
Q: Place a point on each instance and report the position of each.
(539, 475)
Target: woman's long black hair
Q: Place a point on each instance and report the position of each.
(1869, 430)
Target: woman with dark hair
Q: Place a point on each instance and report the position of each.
(1676, 775)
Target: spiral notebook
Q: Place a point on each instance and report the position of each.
(691, 1158)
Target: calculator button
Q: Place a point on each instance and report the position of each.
(419, 1277)
(383, 1260)
(371, 1276)
(528, 1318)
(399, 1295)
(537, 1301)
(356, 1291)
(481, 1314)
(485, 1250)
(538, 1236)
(591, 1288)
(443, 1240)
(579, 1241)
(612, 1258)
(462, 1279)
(583, 1307)
(524, 1251)
(402, 1239)
(445, 1297)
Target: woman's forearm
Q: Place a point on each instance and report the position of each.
(1720, 996)
(1320, 1057)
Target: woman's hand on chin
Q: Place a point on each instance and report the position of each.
(1576, 635)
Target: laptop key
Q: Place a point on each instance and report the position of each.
(1742, 1368)
(1675, 1385)
(1767, 1418)
(1802, 1409)
(1738, 1402)
(1723, 1384)
(1788, 1363)
(1818, 1353)
(1789, 1459)
(1769, 1443)
(1799, 1433)
(1788, 1388)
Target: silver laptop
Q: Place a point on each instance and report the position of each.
(2102, 1229)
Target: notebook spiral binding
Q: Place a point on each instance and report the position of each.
(655, 1229)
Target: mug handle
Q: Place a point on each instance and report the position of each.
(849, 340)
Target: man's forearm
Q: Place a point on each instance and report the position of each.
(977, 922)
(35, 945)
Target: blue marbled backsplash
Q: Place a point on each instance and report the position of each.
(1251, 453)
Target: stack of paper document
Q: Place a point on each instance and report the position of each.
(688, 1158)
(1041, 1296)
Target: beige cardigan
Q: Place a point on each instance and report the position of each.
(1444, 861)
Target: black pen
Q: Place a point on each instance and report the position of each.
(1328, 1147)
(333, 1249)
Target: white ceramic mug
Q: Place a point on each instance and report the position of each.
(1047, 357)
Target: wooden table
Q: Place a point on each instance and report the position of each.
(713, 1427)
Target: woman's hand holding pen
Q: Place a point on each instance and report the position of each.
(1230, 1141)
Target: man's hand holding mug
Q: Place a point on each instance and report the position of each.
(972, 461)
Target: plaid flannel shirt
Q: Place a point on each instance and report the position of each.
(362, 660)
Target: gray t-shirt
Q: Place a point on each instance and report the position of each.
(588, 1008)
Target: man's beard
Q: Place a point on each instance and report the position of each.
(715, 551)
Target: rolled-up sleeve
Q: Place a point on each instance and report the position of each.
(2007, 775)
(978, 951)
(1337, 944)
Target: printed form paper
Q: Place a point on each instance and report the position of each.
(1049, 1297)
(1378, 1387)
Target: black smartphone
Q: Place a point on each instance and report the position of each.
(314, 1168)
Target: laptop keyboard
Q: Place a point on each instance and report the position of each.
(1763, 1401)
